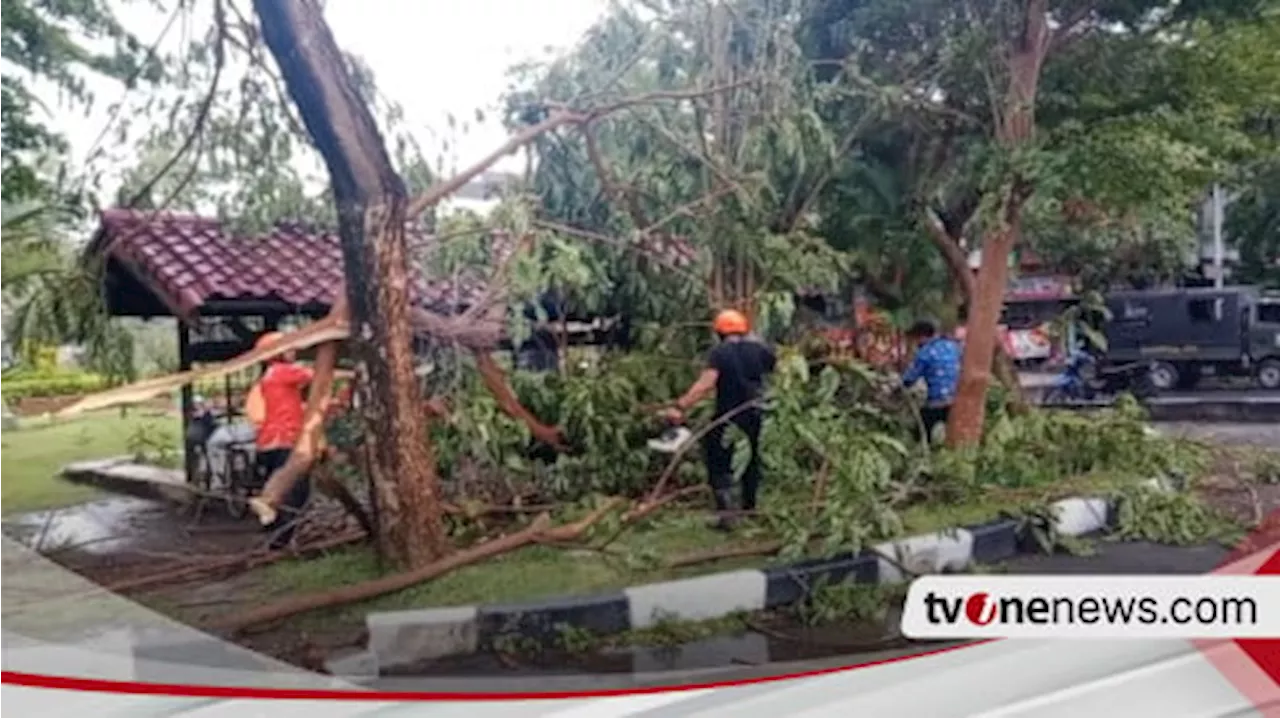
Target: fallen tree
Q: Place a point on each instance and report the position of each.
(374, 315)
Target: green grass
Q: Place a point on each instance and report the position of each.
(537, 571)
(33, 456)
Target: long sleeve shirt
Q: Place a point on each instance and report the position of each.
(937, 362)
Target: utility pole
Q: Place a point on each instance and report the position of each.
(1218, 271)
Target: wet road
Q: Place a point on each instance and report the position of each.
(1256, 434)
(1128, 557)
(98, 527)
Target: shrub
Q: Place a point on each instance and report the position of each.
(23, 385)
(1044, 446)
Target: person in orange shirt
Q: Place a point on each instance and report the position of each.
(283, 387)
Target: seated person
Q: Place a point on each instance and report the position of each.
(203, 422)
(234, 432)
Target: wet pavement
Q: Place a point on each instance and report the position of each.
(101, 527)
(123, 530)
(1138, 557)
(1257, 434)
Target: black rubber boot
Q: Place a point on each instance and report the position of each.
(726, 518)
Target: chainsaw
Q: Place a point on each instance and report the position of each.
(673, 438)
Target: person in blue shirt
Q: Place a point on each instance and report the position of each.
(937, 363)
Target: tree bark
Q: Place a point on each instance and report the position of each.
(371, 200)
(966, 287)
(1015, 131)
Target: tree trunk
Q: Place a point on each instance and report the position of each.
(371, 201)
(1015, 131)
(968, 412)
(965, 289)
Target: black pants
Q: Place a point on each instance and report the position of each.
(931, 416)
(289, 513)
(720, 458)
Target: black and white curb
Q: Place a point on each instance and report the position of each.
(405, 638)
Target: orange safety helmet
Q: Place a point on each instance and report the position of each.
(267, 340)
(731, 321)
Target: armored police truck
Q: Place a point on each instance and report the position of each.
(1186, 334)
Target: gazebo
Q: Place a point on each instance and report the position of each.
(225, 290)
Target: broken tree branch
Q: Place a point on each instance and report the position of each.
(648, 507)
(228, 564)
(540, 529)
(725, 552)
(495, 380)
(332, 327)
(387, 584)
(202, 114)
(558, 117)
(608, 182)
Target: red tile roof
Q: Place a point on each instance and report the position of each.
(188, 261)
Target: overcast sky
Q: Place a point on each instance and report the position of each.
(431, 56)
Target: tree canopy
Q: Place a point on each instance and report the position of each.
(848, 143)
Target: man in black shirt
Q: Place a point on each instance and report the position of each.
(736, 371)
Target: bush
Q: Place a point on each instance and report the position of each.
(837, 422)
(24, 385)
(1045, 446)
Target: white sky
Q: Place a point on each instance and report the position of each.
(433, 57)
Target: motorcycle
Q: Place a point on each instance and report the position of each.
(1082, 380)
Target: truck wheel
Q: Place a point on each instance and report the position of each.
(1054, 397)
(1269, 373)
(1163, 376)
(1144, 388)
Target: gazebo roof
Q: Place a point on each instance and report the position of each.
(185, 265)
(166, 264)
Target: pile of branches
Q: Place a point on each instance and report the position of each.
(606, 415)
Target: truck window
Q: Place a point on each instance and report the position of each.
(1205, 310)
(1269, 313)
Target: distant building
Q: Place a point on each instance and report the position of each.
(480, 195)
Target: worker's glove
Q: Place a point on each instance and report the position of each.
(672, 415)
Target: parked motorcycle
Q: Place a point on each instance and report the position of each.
(1083, 380)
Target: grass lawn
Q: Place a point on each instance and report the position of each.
(32, 457)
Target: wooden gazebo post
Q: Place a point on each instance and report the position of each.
(187, 393)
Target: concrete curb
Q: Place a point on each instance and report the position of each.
(122, 475)
(404, 638)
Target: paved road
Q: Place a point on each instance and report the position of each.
(1258, 395)
(1128, 557)
(1208, 392)
(1262, 435)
